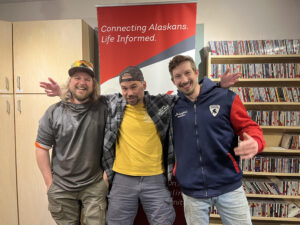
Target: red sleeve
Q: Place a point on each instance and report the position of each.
(242, 122)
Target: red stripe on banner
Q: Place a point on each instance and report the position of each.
(129, 35)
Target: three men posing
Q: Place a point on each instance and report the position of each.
(138, 148)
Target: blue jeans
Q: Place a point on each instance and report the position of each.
(151, 191)
(232, 206)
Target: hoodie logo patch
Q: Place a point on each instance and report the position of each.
(214, 109)
(181, 114)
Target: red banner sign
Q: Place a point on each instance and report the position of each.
(144, 35)
(147, 36)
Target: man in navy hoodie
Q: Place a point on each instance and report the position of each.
(207, 122)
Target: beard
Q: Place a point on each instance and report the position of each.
(191, 89)
(81, 94)
(80, 98)
(133, 100)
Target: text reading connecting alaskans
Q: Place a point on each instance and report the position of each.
(112, 34)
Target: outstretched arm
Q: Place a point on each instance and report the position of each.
(251, 135)
(229, 79)
(52, 88)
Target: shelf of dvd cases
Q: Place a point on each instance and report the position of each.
(281, 128)
(245, 59)
(280, 151)
(275, 219)
(264, 66)
(273, 102)
(272, 196)
(292, 106)
(255, 47)
(258, 218)
(247, 173)
(262, 72)
(265, 82)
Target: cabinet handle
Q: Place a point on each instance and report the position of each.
(18, 82)
(7, 83)
(19, 105)
(7, 107)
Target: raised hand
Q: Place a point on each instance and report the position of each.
(52, 88)
(247, 148)
(229, 79)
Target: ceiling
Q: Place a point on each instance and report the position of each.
(16, 1)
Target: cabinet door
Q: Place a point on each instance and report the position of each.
(8, 190)
(33, 203)
(45, 49)
(6, 77)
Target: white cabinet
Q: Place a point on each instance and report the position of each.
(29, 53)
(8, 190)
(45, 49)
(32, 197)
(6, 67)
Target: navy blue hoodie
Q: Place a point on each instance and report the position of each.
(205, 134)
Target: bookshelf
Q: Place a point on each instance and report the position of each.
(263, 220)
(272, 133)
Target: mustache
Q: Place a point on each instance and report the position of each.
(131, 97)
(81, 87)
(185, 83)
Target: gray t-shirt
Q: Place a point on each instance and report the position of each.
(75, 132)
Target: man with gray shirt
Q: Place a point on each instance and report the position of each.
(74, 129)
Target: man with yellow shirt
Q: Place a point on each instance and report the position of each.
(135, 151)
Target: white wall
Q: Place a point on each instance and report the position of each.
(223, 19)
(249, 19)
